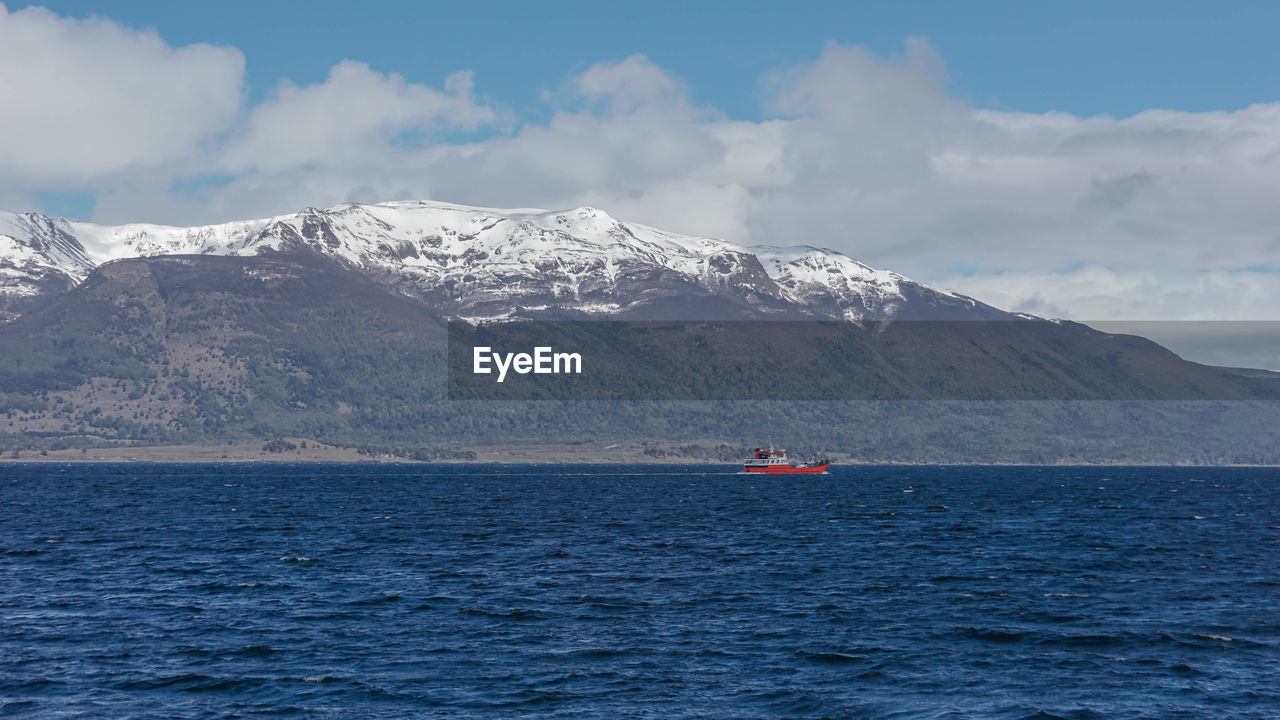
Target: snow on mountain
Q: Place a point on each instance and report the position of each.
(103, 243)
(836, 285)
(823, 277)
(484, 262)
(38, 258)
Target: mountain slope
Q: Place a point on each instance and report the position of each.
(215, 348)
(195, 347)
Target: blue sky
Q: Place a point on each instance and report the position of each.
(1080, 57)
(1083, 159)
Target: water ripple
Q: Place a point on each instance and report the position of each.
(621, 591)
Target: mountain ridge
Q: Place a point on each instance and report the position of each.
(216, 349)
(487, 263)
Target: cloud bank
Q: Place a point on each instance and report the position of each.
(1161, 215)
(86, 101)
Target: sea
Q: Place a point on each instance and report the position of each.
(638, 591)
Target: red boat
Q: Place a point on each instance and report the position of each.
(774, 462)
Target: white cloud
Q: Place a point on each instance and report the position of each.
(356, 117)
(1093, 293)
(86, 100)
(632, 84)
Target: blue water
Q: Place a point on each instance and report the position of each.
(170, 591)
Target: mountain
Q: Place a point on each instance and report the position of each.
(38, 260)
(483, 263)
(329, 324)
(210, 349)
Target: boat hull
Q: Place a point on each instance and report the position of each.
(788, 469)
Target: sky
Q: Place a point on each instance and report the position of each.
(1083, 160)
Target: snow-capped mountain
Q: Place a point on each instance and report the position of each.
(38, 258)
(487, 263)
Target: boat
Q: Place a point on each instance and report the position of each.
(775, 462)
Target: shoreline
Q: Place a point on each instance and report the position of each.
(633, 452)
